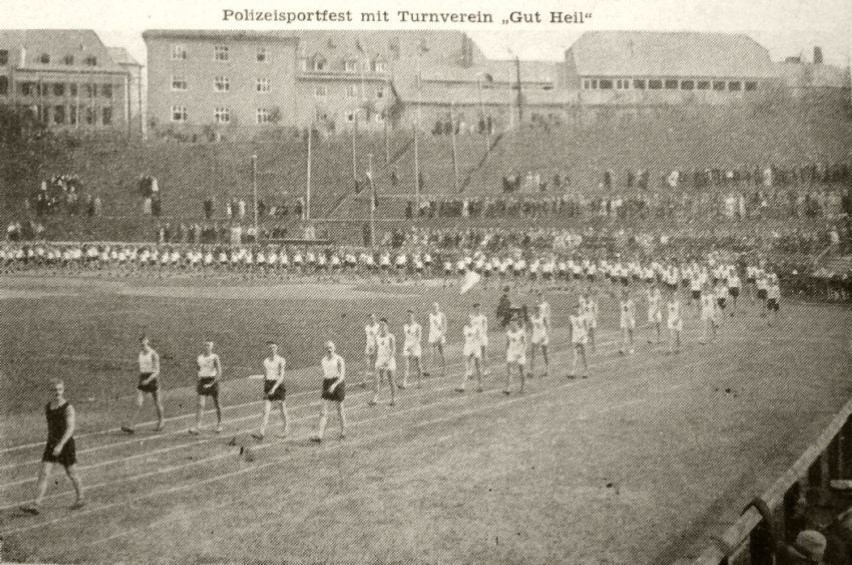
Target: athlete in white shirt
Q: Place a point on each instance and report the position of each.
(675, 322)
(472, 352)
(516, 353)
(273, 391)
(773, 299)
(655, 312)
(708, 315)
(371, 330)
(579, 338)
(627, 322)
(385, 362)
(411, 349)
(209, 374)
(333, 390)
(590, 311)
(437, 336)
(481, 320)
(540, 338)
(149, 382)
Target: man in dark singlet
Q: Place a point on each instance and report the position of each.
(60, 447)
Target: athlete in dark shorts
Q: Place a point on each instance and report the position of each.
(149, 383)
(60, 447)
(273, 391)
(209, 373)
(333, 390)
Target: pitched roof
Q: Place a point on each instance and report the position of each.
(648, 53)
(121, 56)
(59, 43)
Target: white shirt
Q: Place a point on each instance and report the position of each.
(146, 361)
(412, 333)
(517, 341)
(437, 324)
(385, 347)
(333, 367)
(207, 365)
(274, 368)
(371, 332)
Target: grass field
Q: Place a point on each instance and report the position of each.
(641, 463)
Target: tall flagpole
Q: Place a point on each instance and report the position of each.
(308, 188)
(455, 149)
(482, 113)
(354, 132)
(254, 188)
(416, 170)
(372, 200)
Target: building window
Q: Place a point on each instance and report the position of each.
(350, 66)
(586, 84)
(26, 88)
(106, 115)
(594, 83)
(221, 84)
(59, 115)
(687, 85)
(68, 60)
(262, 85)
(655, 84)
(262, 55)
(91, 61)
(320, 91)
(639, 83)
(222, 115)
(90, 116)
(750, 86)
(735, 86)
(179, 114)
(72, 115)
(605, 84)
(703, 85)
(220, 53)
(718, 85)
(319, 64)
(179, 53)
(380, 92)
(4, 57)
(179, 84)
(350, 117)
(264, 116)
(351, 91)
(106, 90)
(91, 91)
(59, 89)
(44, 89)
(671, 84)
(72, 89)
(4, 85)
(44, 59)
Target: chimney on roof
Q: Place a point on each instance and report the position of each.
(817, 55)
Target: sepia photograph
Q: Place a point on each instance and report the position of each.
(395, 282)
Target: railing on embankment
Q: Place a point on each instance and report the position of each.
(828, 458)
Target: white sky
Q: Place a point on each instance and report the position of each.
(785, 27)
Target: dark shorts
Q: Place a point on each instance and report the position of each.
(339, 393)
(151, 387)
(203, 390)
(750, 280)
(761, 293)
(591, 277)
(721, 303)
(625, 281)
(715, 281)
(696, 294)
(486, 273)
(772, 304)
(734, 291)
(66, 458)
(279, 394)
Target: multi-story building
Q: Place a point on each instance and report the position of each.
(135, 95)
(67, 77)
(215, 82)
(648, 68)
